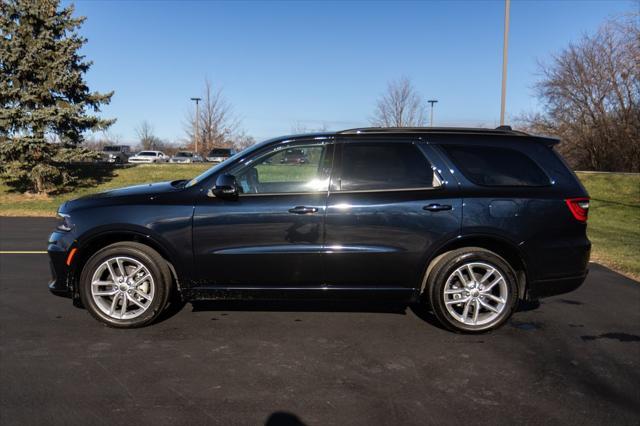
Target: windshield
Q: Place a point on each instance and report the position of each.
(229, 160)
(111, 149)
(220, 152)
(184, 154)
(148, 153)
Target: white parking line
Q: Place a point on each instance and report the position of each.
(23, 252)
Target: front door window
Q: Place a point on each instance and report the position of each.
(287, 169)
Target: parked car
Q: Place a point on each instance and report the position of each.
(467, 222)
(149, 157)
(294, 156)
(186, 157)
(218, 155)
(116, 153)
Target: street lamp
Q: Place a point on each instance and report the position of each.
(432, 101)
(195, 137)
(505, 47)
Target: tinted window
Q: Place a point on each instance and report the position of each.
(148, 153)
(384, 166)
(491, 166)
(290, 169)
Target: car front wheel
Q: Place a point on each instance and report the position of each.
(125, 285)
(472, 290)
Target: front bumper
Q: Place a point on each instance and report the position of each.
(61, 282)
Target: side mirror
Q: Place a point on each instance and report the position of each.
(226, 187)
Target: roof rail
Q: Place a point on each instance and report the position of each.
(502, 130)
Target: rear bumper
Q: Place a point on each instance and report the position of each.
(555, 286)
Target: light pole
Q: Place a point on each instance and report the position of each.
(432, 101)
(195, 137)
(505, 48)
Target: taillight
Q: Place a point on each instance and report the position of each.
(579, 207)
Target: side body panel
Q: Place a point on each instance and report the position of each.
(161, 218)
(534, 220)
(382, 238)
(255, 241)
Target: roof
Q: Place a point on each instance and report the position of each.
(502, 130)
(481, 131)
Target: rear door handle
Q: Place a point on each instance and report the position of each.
(437, 207)
(303, 210)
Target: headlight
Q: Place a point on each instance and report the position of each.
(66, 225)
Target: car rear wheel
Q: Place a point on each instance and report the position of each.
(125, 285)
(472, 290)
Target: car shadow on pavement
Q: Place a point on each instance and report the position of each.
(425, 313)
(419, 309)
(175, 305)
(282, 418)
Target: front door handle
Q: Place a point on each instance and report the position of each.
(437, 207)
(303, 210)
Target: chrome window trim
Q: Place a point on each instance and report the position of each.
(283, 193)
(422, 188)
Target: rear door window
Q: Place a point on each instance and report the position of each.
(385, 166)
(494, 166)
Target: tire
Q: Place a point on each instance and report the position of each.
(465, 274)
(127, 304)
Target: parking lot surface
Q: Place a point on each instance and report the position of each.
(573, 359)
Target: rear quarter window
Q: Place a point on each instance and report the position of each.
(494, 166)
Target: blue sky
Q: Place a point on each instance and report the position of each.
(282, 63)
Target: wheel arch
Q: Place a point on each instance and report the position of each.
(88, 246)
(503, 247)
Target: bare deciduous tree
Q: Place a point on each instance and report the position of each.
(217, 124)
(400, 106)
(299, 128)
(591, 97)
(98, 141)
(242, 141)
(146, 136)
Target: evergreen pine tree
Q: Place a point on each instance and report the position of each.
(45, 104)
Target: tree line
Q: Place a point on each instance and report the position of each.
(590, 96)
(590, 93)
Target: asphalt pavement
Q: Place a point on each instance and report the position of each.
(574, 359)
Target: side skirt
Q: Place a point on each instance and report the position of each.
(391, 294)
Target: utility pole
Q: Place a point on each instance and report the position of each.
(432, 101)
(195, 137)
(505, 48)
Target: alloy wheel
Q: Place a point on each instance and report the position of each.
(476, 294)
(122, 288)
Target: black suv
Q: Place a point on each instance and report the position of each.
(466, 221)
(118, 154)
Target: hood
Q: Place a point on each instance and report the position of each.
(136, 193)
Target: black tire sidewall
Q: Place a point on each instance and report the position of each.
(448, 265)
(145, 257)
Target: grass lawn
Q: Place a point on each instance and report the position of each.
(614, 220)
(614, 216)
